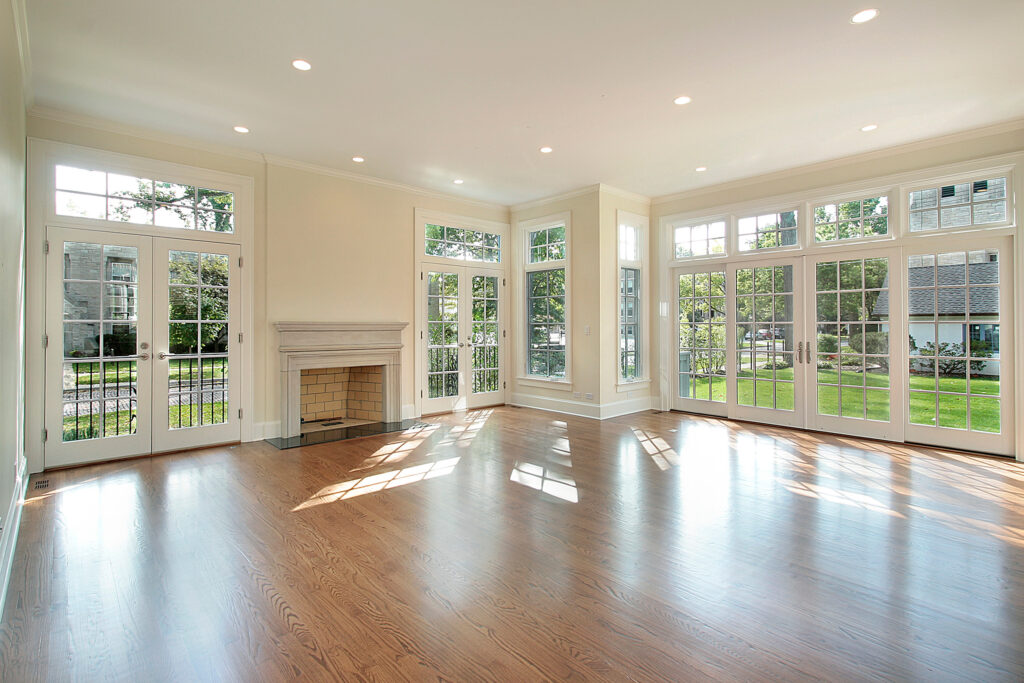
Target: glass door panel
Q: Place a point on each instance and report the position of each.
(767, 342)
(959, 300)
(444, 343)
(485, 386)
(97, 367)
(701, 340)
(850, 388)
(196, 342)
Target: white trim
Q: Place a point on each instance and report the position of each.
(624, 194)
(587, 409)
(642, 226)
(9, 535)
(541, 383)
(522, 251)
(40, 214)
(421, 262)
(929, 143)
(571, 194)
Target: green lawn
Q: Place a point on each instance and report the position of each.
(871, 399)
(181, 370)
(88, 425)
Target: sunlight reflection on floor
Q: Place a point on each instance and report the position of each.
(379, 482)
(663, 455)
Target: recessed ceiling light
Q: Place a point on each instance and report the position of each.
(302, 65)
(870, 127)
(864, 16)
(546, 150)
(241, 129)
(358, 160)
(701, 169)
(458, 181)
(682, 99)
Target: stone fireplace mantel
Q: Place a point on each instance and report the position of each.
(308, 345)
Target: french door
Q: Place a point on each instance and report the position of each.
(901, 344)
(140, 345)
(463, 338)
(740, 341)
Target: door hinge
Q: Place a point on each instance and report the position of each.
(239, 337)
(46, 246)
(421, 274)
(503, 385)
(45, 434)
(421, 334)
(46, 341)
(502, 282)
(504, 333)
(421, 393)
(239, 413)
(239, 261)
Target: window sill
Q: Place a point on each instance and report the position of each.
(540, 382)
(632, 385)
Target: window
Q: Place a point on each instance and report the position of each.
(706, 239)
(462, 244)
(99, 195)
(851, 220)
(981, 202)
(546, 300)
(547, 244)
(767, 231)
(631, 246)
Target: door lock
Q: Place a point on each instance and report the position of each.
(144, 345)
(143, 356)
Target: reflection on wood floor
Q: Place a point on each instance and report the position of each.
(513, 544)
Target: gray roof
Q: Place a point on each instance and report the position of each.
(951, 290)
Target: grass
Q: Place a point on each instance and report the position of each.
(89, 373)
(120, 423)
(865, 395)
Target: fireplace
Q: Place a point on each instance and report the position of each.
(333, 372)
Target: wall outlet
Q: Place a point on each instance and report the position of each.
(575, 394)
(586, 330)
(589, 397)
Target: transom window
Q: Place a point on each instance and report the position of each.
(706, 239)
(849, 220)
(980, 202)
(547, 244)
(100, 195)
(767, 231)
(462, 244)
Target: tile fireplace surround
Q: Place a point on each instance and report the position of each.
(316, 345)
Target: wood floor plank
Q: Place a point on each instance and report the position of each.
(514, 544)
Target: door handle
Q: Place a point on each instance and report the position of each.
(800, 352)
(461, 344)
(808, 352)
(143, 356)
(161, 355)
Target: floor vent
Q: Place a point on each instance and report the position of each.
(41, 484)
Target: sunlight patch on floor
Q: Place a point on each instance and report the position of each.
(663, 455)
(543, 479)
(379, 482)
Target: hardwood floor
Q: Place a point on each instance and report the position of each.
(512, 544)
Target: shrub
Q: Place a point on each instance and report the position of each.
(828, 343)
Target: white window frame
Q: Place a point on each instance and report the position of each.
(422, 261)
(898, 187)
(730, 243)
(960, 178)
(41, 213)
(801, 231)
(524, 228)
(642, 226)
(892, 216)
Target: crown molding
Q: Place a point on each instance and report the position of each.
(61, 116)
(533, 204)
(625, 194)
(107, 126)
(929, 143)
(24, 52)
(379, 182)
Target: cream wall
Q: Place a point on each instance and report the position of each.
(340, 249)
(12, 285)
(584, 305)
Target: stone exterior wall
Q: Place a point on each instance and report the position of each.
(338, 393)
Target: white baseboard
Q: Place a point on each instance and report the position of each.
(582, 408)
(9, 535)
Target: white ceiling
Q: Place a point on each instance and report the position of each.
(429, 91)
